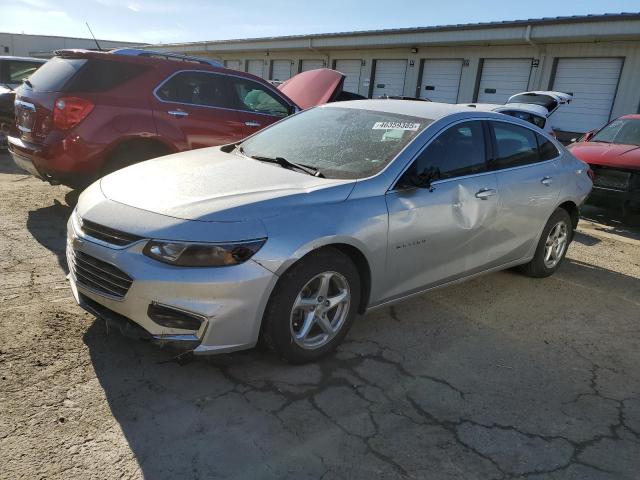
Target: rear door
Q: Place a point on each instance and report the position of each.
(440, 80)
(257, 105)
(526, 166)
(194, 109)
(448, 231)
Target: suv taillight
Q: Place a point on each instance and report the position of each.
(70, 111)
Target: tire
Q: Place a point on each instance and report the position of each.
(284, 321)
(539, 267)
(130, 154)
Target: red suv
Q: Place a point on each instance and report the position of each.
(84, 114)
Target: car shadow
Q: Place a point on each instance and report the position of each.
(48, 225)
(249, 415)
(8, 167)
(611, 220)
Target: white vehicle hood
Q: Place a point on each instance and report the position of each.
(210, 185)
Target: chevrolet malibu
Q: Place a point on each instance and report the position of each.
(284, 237)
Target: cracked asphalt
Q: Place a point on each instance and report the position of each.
(501, 377)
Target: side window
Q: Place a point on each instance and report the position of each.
(538, 121)
(514, 146)
(458, 151)
(548, 150)
(253, 97)
(20, 70)
(196, 88)
(518, 114)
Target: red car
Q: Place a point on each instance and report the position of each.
(613, 153)
(84, 114)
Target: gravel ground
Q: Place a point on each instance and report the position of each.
(500, 377)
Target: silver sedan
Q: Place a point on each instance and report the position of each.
(287, 235)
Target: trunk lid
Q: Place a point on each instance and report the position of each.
(313, 87)
(548, 99)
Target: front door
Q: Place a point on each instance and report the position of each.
(257, 105)
(194, 110)
(442, 233)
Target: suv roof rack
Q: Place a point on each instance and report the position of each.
(168, 56)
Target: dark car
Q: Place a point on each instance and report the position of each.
(86, 113)
(13, 70)
(613, 153)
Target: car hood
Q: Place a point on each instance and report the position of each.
(210, 185)
(314, 87)
(607, 154)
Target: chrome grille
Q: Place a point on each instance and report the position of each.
(106, 234)
(611, 178)
(98, 276)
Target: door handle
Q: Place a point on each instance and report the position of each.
(253, 124)
(485, 193)
(546, 181)
(178, 113)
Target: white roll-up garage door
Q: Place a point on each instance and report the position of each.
(389, 78)
(311, 65)
(440, 80)
(593, 83)
(351, 70)
(233, 64)
(281, 70)
(256, 67)
(503, 77)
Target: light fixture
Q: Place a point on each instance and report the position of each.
(414, 50)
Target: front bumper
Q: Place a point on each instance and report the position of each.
(230, 300)
(614, 197)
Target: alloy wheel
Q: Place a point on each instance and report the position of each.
(320, 310)
(556, 244)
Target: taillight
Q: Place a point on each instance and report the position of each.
(591, 175)
(70, 111)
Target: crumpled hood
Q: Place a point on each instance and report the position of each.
(313, 87)
(212, 186)
(607, 154)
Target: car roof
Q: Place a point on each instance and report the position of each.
(414, 108)
(23, 59)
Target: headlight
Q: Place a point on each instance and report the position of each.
(202, 254)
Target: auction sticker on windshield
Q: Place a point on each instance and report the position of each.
(396, 126)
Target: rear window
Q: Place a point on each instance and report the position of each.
(52, 76)
(83, 75)
(17, 70)
(102, 75)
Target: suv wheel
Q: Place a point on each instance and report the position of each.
(552, 247)
(129, 154)
(313, 306)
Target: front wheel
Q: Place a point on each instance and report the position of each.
(312, 307)
(552, 247)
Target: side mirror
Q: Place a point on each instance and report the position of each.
(411, 179)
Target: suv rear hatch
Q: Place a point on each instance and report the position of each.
(70, 80)
(313, 87)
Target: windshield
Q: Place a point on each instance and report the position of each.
(623, 131)
(338, 142)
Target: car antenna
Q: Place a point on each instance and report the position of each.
(94, 37)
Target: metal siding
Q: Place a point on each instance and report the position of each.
(444, 77)
(507, 76)
(593, 83)
(256, 67)
(281, 70)
(351, 69)
(306, 65)
(389, 78)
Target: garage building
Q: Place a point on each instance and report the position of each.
(594, 57)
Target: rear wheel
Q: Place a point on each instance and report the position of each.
(131, 153)
(313, 306)
(552, 247)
